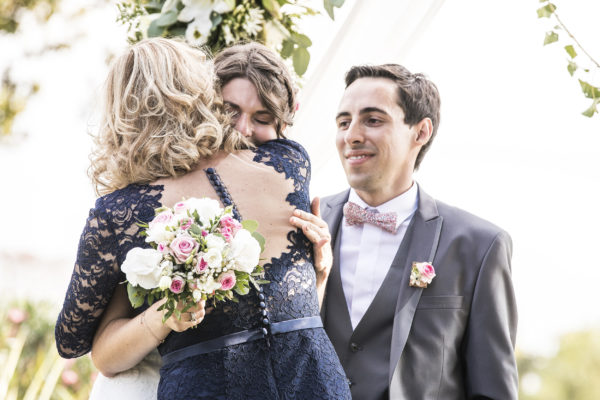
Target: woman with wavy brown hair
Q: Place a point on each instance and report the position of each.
(165, 137)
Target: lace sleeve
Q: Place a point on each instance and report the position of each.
(95, 276)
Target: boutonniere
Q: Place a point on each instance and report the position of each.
(422, 274)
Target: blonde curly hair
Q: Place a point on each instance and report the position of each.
(161, 116)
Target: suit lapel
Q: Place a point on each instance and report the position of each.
(426, 228)
(332, 214)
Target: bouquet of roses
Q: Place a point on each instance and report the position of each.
(199, 252)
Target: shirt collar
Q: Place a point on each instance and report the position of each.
(404, 205)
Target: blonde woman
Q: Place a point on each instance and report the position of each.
(163, 139)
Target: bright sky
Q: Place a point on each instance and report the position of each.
(512, 147)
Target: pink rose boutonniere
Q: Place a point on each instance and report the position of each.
(422, 274)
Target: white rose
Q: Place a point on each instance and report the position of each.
(244, 251)
(213, 258)
(207, 208)
(142, 267)
(197, 294)
(164, 283)
(215, 242)
(210, 285)
(159, 234)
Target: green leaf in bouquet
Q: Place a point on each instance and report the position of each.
(241, 290)
(287, 47)
(272, 6)
(136, 295)
(250, 225)
(260, 239)
(262, 281)
(167, 19)
(195, 230)
(234, 299)
(178, 31)
(301, 40)
(301, 58)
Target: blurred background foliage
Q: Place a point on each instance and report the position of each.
(571, 374)
(14, 95)
(30, 367)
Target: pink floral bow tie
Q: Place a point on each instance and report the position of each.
(356, 215)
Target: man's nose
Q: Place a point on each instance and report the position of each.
(243, 125)
(354, 133)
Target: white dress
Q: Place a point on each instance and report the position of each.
(137, 383)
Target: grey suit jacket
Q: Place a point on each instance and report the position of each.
(454, 339)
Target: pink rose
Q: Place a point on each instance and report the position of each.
(204, 234)
(427, 272)
(182, 247)
(180, 208)
(185, 223)
(69, 377)
(227, 233)
(227, 280)
(163, 247)
(162, 218)
(229, 222)
(16, 315)
(201, 266)
(177, 284)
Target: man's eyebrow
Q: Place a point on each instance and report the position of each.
(342, 114)
(365, 110)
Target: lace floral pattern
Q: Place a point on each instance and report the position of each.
(294, 365)
(109, 233)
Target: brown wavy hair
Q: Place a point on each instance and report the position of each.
(161, 116)
(267, 72)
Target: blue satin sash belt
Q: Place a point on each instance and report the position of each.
(241, 337)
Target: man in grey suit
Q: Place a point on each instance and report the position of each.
(450, 337)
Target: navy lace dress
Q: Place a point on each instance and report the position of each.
(279, 355)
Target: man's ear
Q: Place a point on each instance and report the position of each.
(424, 130)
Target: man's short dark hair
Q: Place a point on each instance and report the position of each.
(417, 96)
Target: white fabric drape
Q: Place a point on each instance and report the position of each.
(374, 32)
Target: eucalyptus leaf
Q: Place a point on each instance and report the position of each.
(260, 239)
(287, 47)
(301, 40)
(551, 37)
(250, 225)
(546, 11)
(154, 30)
(136, 295)
(571, 51)
(572, 67)
(167, 19)
(300, 58)
(328, 5)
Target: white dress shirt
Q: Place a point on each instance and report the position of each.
(367, 251)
